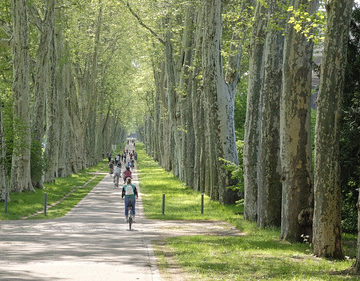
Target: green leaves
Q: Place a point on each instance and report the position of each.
(312, 26)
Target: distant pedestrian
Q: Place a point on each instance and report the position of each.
(117, 159)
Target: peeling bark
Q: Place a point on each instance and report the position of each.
(269, 166)
(327, 190)
(3, 170)
(251, 138)
(20, 167)
(295, 141)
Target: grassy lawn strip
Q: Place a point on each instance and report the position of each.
(255, 256)
(181, 202)
(27, 203)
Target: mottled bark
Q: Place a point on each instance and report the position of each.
(356, 266)
(64, 124)
(171, 102)
(52, 102)
(197, 108)
(20, 167)
(93, 94)
(219, 109)
(3, 171)
(40, 89)
(327, 190)
(269, 166)
(295, 142)
(251, 138)
(185, 86)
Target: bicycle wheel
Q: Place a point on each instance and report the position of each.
(130, 220)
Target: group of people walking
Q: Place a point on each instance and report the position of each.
(126, 159)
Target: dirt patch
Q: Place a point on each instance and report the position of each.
(190, 228)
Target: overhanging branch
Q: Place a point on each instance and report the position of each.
(142, 23)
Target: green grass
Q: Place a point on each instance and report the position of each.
(181, 202)
(253, 257)
(258, 254)
(27, 203)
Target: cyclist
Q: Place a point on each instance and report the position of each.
(130, 192)
(127, 173)
(117, 174)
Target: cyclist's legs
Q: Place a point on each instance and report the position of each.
(126, 206)
(132, 202)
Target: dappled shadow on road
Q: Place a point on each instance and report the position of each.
(9, 274)
(93, 232)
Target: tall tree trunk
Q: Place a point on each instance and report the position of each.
(93, 94)
(52, 103)
(356, 266)
(251, 138)
(219, 106)
(269, 166)
(62, 88)
(3, 170)
(40, 90)
(171, 100)
(185, 85)
(327, 192)
(197, 108)
(20, 168)
(295, 141)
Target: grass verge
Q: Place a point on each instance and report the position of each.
(259, 254)
(24, 204)
(181, 202)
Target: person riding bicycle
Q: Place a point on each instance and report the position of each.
(127, 173)
(117, 174)
(130, 192)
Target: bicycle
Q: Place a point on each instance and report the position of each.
(130, 216)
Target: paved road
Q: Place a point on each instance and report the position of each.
(90, 243)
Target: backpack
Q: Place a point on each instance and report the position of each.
(129, 190)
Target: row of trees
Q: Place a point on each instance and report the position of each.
(191, 121)
(190, 128)
(65, 72)
(280, 187)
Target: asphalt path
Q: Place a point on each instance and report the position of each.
(92, 242)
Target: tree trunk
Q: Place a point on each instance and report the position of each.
(20, 171)
(197, 108)
(40, 90)
(64, 126)
(356, 266)
(3, 170)
(171, 102)
(251, 138)
(269, 166)
(219, 107)
(185, 86)
(52, 103)
(295, 141)
(327, 192)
